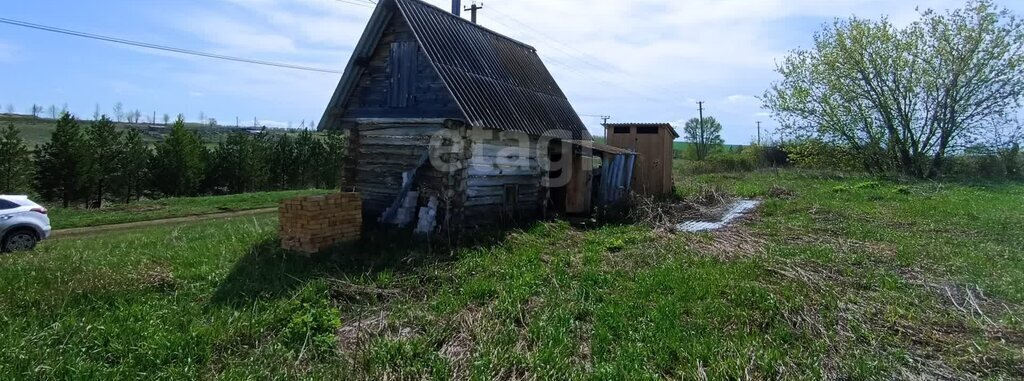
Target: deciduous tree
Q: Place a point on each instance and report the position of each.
(904, 98)
(705, 137)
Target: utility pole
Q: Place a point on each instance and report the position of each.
(759, 133)
(700, 139)
(473, 8)
(604, 122)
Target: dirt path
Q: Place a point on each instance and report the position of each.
(78, 232)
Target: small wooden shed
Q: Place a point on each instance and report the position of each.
(452, 125)
(653, 142)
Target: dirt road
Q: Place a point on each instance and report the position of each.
(79, 232)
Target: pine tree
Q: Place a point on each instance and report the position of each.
(281, 162)
(102, 142)
(179, 163)
(132, 166)
(62, 164)
(307, 150)
(333, 160)
(15, 162)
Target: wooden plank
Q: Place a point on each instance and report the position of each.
(389, 130)
(578, 190)
(494, 191)
(499, 200)
(505, 162)
(483, 181)
(503, 170)
(395, 140)
(408, 150)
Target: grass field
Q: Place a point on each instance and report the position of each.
(37, 131)
(65, 218)
(835, 277)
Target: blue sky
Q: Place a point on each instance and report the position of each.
(639, 60)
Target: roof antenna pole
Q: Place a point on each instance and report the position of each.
(475, 8)
(457, 7)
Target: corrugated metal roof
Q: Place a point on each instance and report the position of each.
(601, 147)
(498, 82)
(664, 125)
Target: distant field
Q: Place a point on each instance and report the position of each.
(65, 218)
(37, 131)
(681, 146)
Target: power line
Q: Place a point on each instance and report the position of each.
(361, 4)
(163, 47)
(556, 41)
(580, 55)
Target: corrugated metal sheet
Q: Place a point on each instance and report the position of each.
(590, 144)
(616, 179)
(500, 83)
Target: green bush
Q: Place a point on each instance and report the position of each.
(983, 166)
(816, 154)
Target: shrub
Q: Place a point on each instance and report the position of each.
(817, 154)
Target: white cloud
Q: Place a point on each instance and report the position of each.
(640, 60)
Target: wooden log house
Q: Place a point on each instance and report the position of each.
(452, 125)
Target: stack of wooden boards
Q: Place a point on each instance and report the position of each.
(312, 224)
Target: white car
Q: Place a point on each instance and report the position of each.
(23, 223)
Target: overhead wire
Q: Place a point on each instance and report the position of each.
(580, 55)
(164, 47)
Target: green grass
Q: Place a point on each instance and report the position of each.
(65, 218)
(37, 131)
(836, 277)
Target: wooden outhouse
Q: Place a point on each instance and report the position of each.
(653, 143)
(452, 125)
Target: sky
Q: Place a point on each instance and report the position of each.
(636, 61)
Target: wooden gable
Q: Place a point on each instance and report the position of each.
(398, 81)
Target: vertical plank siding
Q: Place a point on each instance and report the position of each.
(399, 81)
(653, 175)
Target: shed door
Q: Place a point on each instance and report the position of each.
(402, 69)
(578, 191)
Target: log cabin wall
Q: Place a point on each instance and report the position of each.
(381, 152)
(503, 179)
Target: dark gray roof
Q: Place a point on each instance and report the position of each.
(498, 82)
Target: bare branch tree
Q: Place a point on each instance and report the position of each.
(118, 111)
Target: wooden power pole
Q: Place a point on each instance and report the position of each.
(700, 139)
(472, 10)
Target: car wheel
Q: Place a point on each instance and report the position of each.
(20, 240)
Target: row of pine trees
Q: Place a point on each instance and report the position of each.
(91, 164)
